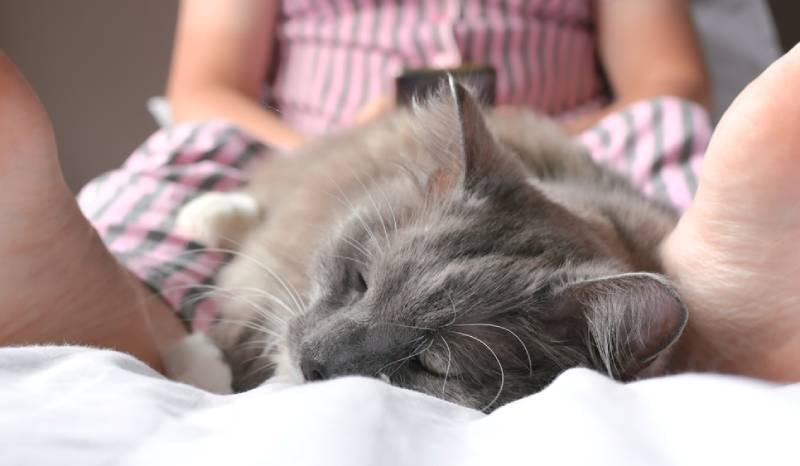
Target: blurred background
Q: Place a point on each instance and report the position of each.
(96, 62)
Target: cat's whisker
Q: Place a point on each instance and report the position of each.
(497, 305)
(499, 364)
(271, 297)
(294, 295)
(453, 306)
(415, 352)
(447, 371)
(256, 291)
(388, 204)
(232, 293)
(372, 201)
(415, 327)
(267, 315)
(356, 245)
(500, 327)
(296, 299)
(249, 324)
(380, 370)
(209, 293)
(292, 292)
(415, 178)
(345, 237)
(261, 343)
(279, 302)
(262, 368)
(414, 340)
(456, 349)
(394, 371)
(348, 258)
(456, 313)
(354, 210)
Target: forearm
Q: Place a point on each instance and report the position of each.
(648, 49)
(218, 102)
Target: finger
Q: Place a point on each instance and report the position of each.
(374, 109)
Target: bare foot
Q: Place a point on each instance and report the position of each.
(58, 282)
(735, 253)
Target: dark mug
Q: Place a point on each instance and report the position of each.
(420, 83)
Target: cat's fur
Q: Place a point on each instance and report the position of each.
(470, 263)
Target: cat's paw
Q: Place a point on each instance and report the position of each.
(197, 361)
(219, 219)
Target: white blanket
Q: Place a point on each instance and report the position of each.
(76, 406)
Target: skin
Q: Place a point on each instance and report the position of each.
(75, 293)
(735, 251)
(670, 64)
(223, 54)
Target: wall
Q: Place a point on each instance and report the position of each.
(787, 18)
(94, 64)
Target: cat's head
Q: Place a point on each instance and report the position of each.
(474, 286)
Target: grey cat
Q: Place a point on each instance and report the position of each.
(471, 257)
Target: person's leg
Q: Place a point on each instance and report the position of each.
(735, 253)
(58, 282)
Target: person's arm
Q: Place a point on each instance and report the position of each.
(648, 49)
(223, 51)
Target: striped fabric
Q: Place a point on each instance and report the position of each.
(657, 144)
(337, 55)
(134, 208)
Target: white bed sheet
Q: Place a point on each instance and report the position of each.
(76, 406)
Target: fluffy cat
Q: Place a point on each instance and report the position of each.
(471, 257)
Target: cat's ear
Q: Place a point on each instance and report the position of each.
(481, 160)
(631, 319)
(476, 144)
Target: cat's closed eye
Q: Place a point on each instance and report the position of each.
(359, 283)
(434, 364)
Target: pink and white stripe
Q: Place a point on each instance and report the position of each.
(665, 152)
(543, 45)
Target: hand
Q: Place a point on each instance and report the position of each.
(734, 253)
(374, 109)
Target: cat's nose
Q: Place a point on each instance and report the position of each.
(313, 370)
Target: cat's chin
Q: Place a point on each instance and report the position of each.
(286, 371)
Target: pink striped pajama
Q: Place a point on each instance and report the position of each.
(336, 55)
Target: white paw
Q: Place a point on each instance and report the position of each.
(196, 360)
(218, 219)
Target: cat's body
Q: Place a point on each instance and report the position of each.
(470, 264)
